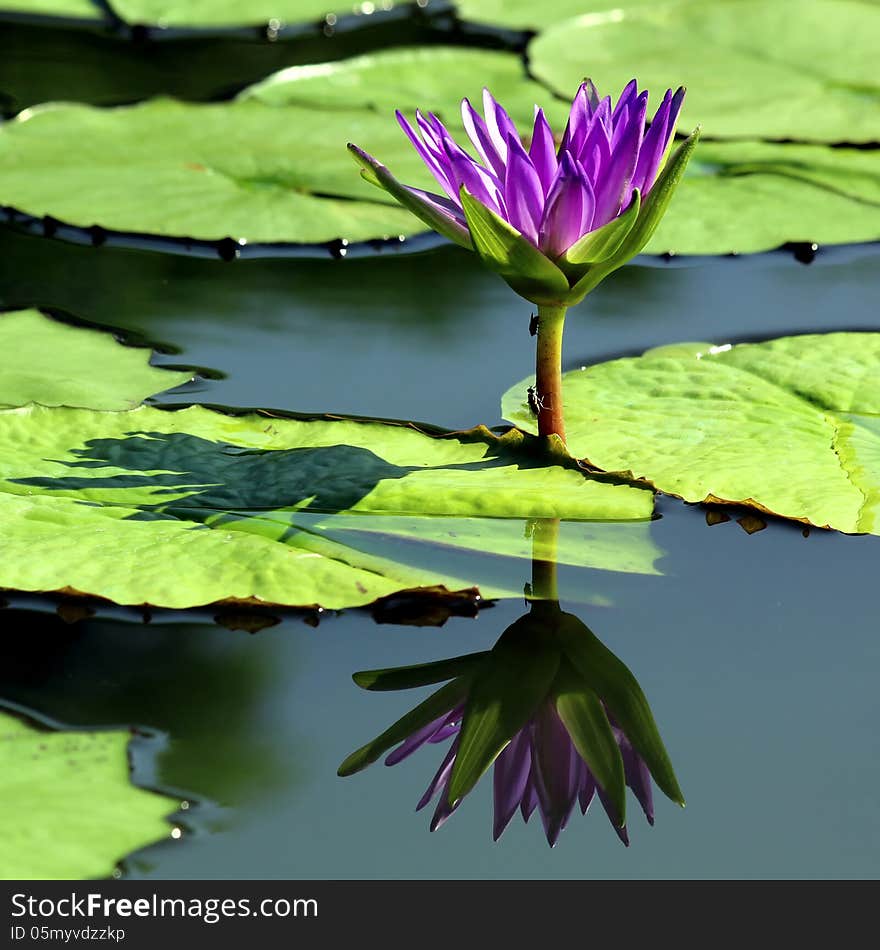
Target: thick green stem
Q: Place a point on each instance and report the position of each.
(548, 372)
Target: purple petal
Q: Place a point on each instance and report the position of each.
(478, 181)
(439, 203)
(587, 789)
(479, 135)
(568, 212)
(552, 767)
(530, 798)
(498, 124)
(510, 779)
(613, 817)
(629, 93)
(638, 777)
(657, 139)
(438, 168)
(583, 107)
(440, 778)
(415, 741)
(595, 153)
(616, 185)
(523, 192)
(542, 151)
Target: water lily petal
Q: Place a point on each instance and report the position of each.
(657, 139)
(542, 151)
(475, 127)
(437, 167)
(498, 123)
(523, 192)
(615, 187)
(568, 212)
(510, 778)
(440, 778)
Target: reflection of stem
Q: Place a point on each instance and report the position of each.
(545, 540)
(548, 371)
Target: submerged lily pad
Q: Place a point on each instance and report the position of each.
(790, 427)
(68, 808)
(53, 363)
(753, 68)
(184, 507)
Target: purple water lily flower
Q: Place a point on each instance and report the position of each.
(552, 218)
(552, 196)
(539, 769)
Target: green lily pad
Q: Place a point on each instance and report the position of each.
(53, 363)
(183, 507)
(790, 427)
(68, 809)
(69, 9)
(527, 15)
(432, 78)
(232, 13)
(753, 68)
(743, 197)
(245, 170)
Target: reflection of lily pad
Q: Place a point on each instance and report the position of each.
(791, 426)
(753, 68)
(67, 805)
(192, 506)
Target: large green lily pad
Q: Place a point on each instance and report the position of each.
(527, 15)
(742, 197)
(232, 13)
(68, 809)
(246, 171)
(790, 426)
(280, 174)
(53, 363)
(431, 78)
(753, 68)
(183, 507)
(69, 9)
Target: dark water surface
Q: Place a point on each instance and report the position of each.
(759, 653)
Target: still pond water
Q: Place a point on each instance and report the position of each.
(759, 653)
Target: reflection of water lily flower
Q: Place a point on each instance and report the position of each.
(540, 768)
(560, 716)
(583, 197)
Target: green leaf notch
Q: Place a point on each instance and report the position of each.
(789, 427)
(68, 809)
(194, 505)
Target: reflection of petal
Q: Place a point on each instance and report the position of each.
(415, 741)
(510, 779)
(637, 777)
(440, 778)
(552, 767)
(530, 798)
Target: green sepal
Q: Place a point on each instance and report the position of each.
(651, 213)
(421, 674)
(377, 174)
(443, 701)
(584, 718)
(504, 250)
(600, 670)
(601, 244)
(505, 694)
